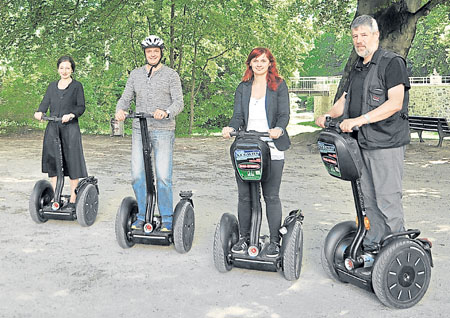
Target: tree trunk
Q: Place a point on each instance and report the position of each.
(192, 99)
(172, 34)
(397, 21)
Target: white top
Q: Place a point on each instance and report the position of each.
(257, 121)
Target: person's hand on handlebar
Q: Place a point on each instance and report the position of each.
(67, 117)
(38, 115)
(348, 124)
(121, 115)
(320, 121)
(275, 133)
(226, 132)
(160, 114)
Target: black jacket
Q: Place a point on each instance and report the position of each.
(62, 102)
(277, 110)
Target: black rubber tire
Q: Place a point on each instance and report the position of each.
(226, 235)
(293, 253)
(183, 226)
(124, 218)
(41, 195)
(346, 236)
(87, 205)
(401, 274)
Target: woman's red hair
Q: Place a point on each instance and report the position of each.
(273, 78)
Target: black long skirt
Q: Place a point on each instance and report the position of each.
(73, 158)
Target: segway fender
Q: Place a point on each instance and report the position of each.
(84, 182)
(288, 225)
(336, 234)
(228, 224)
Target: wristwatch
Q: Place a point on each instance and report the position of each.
(168, 113)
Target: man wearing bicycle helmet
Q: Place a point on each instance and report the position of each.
(156, 90)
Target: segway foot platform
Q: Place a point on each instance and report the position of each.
(260, 262)
(361, 277)
(61, 214)
(153, 238)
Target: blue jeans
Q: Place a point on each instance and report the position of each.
(161, 143)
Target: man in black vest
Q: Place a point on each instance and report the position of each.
(376, 99)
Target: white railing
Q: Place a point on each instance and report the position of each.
(313, 83)
(429, 80)
(322, 83)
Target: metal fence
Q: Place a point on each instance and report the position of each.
(321, 85)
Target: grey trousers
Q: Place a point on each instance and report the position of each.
(381, 183)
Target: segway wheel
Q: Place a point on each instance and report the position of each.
(183, 226)
(293, 253)
(226, 235)
(124, 218)
(401, 274)
(87, 205)
(335, 244)
(41, 195)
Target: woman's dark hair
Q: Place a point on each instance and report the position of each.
(66, 58)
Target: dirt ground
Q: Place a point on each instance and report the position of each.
(62, 269)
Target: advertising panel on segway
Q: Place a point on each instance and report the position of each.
(250, 157)
(398, 271)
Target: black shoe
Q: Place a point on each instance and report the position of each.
(273, 250)
(241, 246)
(69, 207)
(371, 248)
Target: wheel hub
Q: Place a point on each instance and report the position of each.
(406, 276)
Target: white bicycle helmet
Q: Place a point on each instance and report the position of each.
(152, 41)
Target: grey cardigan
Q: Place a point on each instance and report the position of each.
(277, 110)
(161, 91)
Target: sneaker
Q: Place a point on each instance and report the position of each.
(166, 227)
(138, 225)
(273, 250)
(241, 246)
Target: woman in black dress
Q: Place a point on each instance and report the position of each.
(65, 98)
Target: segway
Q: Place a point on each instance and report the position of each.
(182, 234)
(399, 269)
(46, 203)
(251, 161)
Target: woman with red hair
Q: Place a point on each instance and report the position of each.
(261, 103)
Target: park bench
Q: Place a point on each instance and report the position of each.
(438, 124)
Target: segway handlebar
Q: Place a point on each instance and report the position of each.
(139, 115)
(251, 133)
(331, 123)
(51, 118)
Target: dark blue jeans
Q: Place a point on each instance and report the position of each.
(271, 191)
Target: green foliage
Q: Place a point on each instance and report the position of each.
(207, 42)
(430, 48)
(308, 123)
(329, 55)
